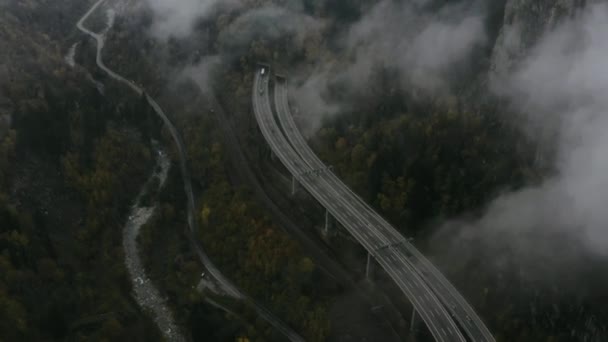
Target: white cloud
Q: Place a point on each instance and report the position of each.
(562, 86)
(177, 18)
(424, 46)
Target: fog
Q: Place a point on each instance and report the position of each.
(269, 23)
(245, 23)
(561, 87)
(425, 45)
(202, 73)
(312, 100)
(422, 44)
(178, 18)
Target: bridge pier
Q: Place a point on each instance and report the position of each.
(294, 185)
(327, 223)
(368, 267)
(413, 321)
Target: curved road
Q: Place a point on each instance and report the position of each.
(226, 284)
(424, 300)
(450, 297)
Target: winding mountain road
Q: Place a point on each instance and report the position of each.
(317, 183)
(396, 243)
(225, 283)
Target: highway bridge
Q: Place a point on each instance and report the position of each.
(437, 301)
(427, 304)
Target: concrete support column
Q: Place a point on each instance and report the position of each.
(413, 321)
(327, 222)
(294, 184)
(368, 267)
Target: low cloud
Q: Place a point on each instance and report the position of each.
(203, 72)
(424, 45)
(561, 87)
(178, 18)
(311, 103)
(268, 24)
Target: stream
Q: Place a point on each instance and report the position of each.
(144, 291)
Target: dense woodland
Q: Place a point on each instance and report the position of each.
(65, 189)
(72, 161)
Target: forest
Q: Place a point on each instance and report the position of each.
(72, 160)
(65, 187)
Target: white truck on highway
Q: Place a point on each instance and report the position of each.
(262, 72)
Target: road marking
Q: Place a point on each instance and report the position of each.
(350, 208)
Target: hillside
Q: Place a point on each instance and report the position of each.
(475, 128)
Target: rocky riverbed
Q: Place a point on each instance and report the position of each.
(144, 291)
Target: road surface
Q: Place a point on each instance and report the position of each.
(457, 306)
(226, 284)
(409, 281)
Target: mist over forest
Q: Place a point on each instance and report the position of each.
(140, 197)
